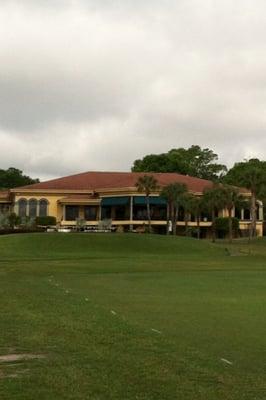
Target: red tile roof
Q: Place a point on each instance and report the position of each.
(4, 196)
(114, 180)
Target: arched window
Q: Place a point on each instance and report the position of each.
(22, 208)
(32, 208)
(43, 208)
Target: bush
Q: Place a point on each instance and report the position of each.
(120, 229)
(192, 231)
(10, 231)
(27, 222)
(222, 226)
(45, 221)
(3, 221)
(13, 220)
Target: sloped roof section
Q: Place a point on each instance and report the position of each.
(5, 196)
(114, 180)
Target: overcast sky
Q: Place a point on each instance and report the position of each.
(96, 84)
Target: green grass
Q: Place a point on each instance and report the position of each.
(132, 317)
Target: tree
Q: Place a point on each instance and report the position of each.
(222, 225)
(147, 184)
(212, 202)
(230, 198)
(193, 161)
(13, 177)
(252, 175)
(187, 203)
(173, 193)
(196, 207)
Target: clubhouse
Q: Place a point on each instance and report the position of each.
(98, 196)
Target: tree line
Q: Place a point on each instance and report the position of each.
(177, 195)
(13, 177)
(202, 163)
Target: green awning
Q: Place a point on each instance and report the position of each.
(154, 201)
(115, 201)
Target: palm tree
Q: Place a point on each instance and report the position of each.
(196, 207)
(230, 198)
(173, 194)
(251, 175)
(147, 184)
(212, 202)
(187, 203)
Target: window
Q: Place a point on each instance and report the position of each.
(106, 212)
(32, 208)
(238, 212)
(257, 212)
(158, 213)
(90, 213)
(246, 214)
(43, 208)
(121, 213)
(205, 216)
(181, 214)
(22, 208)
(72, 213)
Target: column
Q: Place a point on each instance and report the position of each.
(16, 208)
(260, 211)
(38, 208)
(27, 208)
(131, 213)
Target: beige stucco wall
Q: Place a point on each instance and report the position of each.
(55, 209)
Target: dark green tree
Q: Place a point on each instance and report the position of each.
(230, 198)
(13, 177)
(187, 203)
(196, 207)
(212, 202)
(173, 193)
(250, 174)
(147, 184)
(193, 161)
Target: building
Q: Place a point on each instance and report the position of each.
(97, 196)
(5, 202)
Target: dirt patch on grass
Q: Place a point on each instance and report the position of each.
(6, 374)
(19, 357)
(13, 360)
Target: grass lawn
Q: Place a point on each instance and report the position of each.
(132, 317)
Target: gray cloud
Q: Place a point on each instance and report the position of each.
(94, 85)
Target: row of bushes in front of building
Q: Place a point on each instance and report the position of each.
(11, 221)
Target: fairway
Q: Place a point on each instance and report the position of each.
(110, 316)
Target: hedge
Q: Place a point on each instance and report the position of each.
(45, 221)
(222, 226)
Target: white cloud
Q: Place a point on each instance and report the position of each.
(94, 85)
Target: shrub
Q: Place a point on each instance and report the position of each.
(222, 226)
(80, 224)
(13, 220)
(120, 229)
(27, 222)
(45, 221)
(192, 231)
(3, 221)
(105, 224)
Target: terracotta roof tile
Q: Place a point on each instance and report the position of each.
(5, 195)
(109, 180)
